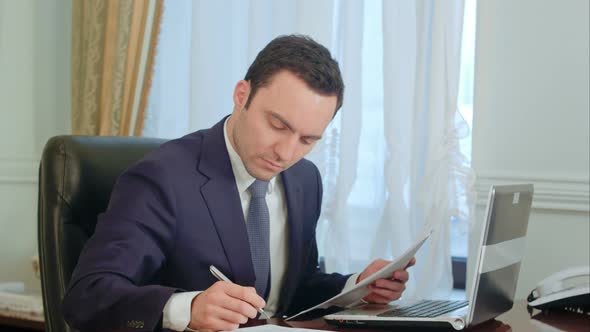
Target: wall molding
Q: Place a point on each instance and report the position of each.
(556, 192)
(552, 191)
(18, 170)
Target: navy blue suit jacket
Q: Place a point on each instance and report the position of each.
(171, 216)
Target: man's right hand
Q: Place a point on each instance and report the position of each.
(224, 306)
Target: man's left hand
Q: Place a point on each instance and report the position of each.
(387, 289)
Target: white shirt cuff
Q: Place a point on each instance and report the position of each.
(351, 281)
(177, 311)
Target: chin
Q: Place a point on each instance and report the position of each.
(261, 174)
(264, 176)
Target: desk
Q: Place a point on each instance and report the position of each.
(11, 322)
(517, 320)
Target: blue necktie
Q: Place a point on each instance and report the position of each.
(258, 225)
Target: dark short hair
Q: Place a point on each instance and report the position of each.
(302, 56)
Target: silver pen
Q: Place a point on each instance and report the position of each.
(221, 277)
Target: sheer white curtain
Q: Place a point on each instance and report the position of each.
(390, 160)
(206, 47)
(427, 178)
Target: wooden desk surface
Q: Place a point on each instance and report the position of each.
(10, 321)
(517, 320)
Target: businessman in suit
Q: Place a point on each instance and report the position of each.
(238, 196)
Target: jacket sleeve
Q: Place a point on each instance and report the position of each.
(115, 284)
(315, 286)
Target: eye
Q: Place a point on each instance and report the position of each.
(277, 124)
(307, 141)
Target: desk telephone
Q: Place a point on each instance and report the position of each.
(566, 290)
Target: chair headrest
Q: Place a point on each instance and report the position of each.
(81, 171)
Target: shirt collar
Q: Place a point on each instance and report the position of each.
(243, 178)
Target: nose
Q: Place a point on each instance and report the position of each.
(285, 149)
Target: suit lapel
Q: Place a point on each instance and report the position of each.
(223, 201)
(294, 197)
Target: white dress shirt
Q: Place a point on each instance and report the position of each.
(177, 311)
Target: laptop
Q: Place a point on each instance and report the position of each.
(501, 248)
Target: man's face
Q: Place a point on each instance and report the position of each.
(281, 125)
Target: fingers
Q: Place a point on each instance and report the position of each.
(387, 290)
(218, 314)
(231, 316)
(376, 298)
(375, 266)
(247, 294)
(379, 263)
(401, 275)
(385, 293)
(238, 306)
(373, 298)
(224, 306)
(412, 262)
(388, 284)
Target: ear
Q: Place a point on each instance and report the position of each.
(241, 94)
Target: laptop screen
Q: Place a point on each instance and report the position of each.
(502, 246)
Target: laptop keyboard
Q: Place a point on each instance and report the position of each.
(425, 308)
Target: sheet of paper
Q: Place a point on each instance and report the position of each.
(356, 293)
(273, 328)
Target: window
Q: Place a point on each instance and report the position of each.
(365, 195)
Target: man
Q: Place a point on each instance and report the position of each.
(213, 197)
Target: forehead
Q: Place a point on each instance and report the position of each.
(291, 98)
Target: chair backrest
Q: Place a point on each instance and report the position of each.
(76, 177)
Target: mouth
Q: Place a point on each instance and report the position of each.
(272, 165)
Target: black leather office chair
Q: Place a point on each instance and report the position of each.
(76, 177)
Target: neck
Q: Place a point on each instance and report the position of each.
(230, 131)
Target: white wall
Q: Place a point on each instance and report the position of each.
(34, 105)
(531, 122)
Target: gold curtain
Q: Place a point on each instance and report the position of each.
(113, 46)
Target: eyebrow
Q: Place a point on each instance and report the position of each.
(288, 125)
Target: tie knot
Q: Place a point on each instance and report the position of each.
(258, 188)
